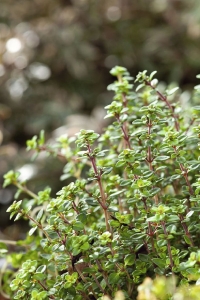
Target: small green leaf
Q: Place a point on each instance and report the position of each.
(39, 215)
(82, 217)
(78, 226)
(120, 163)
(41, 269)
(113, 278)
(187, 240)
(143, 257)
(85, 246)
(32, 230)
(154, 191)
(114, 223)
(159, 262)
(189, 214)
(152, 74)
(39, 276)
(162, 158)
(107, 170)
(129, 259)
(174, 177)
(18, 216)
(140, 86)
(172, 91)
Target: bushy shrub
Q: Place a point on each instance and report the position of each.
(131, 209)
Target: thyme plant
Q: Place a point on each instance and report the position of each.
(129, 206)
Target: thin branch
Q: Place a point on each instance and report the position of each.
(44, 287)
(163, 98)
(39, 226)
(8, 242)
(25, 190)
(168, 245)
(184, 172)
(98, 178)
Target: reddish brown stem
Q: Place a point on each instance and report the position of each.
(126, 137)
(44, 287)
(150, 231)
(185, 227)
(163, 98)
(168, 245)
(103, 196)
(149, 158)
(185, 174)
(39, 226)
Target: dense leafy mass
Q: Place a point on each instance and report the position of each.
(58, 63)
(131, 209)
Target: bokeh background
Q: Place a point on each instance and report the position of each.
(55, 57)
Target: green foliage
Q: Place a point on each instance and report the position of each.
(67, 48)
(130, 211)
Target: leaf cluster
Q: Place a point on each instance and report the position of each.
(131, 209)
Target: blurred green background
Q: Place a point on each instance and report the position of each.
(55, 57)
